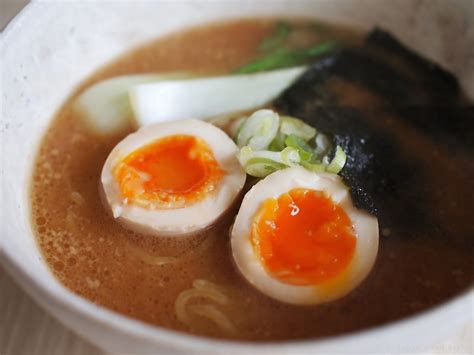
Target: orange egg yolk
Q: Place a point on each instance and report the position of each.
(172, 172)
(303, 237)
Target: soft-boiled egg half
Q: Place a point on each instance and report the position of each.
(171, 178)
(299, 239)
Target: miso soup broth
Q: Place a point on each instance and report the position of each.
(143, 276)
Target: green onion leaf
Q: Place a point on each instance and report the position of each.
(246, 153)
(304, 150)
(259, 130)
(290, 156)
(285, 57)
(338, 162)
(261, 167)
(261, 156)
(278, 144)
(290, 125)
(315, 167)
(323, 145)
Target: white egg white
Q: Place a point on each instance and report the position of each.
(178, 221)
(251, 265)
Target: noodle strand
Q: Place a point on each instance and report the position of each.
(167, 260)
(210, 312)
(206, 290)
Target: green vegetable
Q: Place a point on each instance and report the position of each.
(105, 106)
(259, 130)
(261, 167)
(315, 167)
(265, 148)
(207, 97)
(338, 162)
(323, 145)
(290, 125)
(278, 144)
(285, 57)
(304, 150)
(247, 153)
(290, 156)
(260, 163)
(282, 30)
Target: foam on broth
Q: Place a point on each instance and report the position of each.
(98, 259)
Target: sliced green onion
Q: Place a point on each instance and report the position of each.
(323, 144)
(247, 153)
(265, 148)
(290, 125)
(236, 126)
(259, 130)
(278, 144)
(263, 162)
(304, 150)
(290, 156)
(315, 167)
(261, 167)
(338, 162)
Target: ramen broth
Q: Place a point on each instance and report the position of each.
(142, 276)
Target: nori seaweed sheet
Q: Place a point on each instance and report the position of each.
(434, 79)
(384, 179)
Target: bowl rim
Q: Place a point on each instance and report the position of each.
(454, 309)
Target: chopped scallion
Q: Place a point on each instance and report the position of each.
(315, 167)
(304, 150)
(290, 125)
(323, 144)
(338, 162)
(259, 130)
(261, 167)
(290, 156)
(265, 148)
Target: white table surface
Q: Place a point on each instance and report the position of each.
(25, 329)
(20, 316)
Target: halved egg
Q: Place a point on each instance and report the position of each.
(171, 178)
(298, 238)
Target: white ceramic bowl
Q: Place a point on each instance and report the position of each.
(51, 46)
